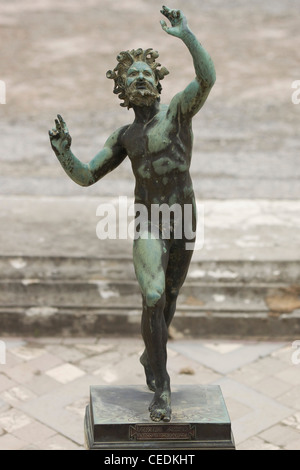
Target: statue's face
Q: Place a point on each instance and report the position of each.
(142, 73)
(141, 84)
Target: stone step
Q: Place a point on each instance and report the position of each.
(83, 295)
(118, 268)
(101, 294)
(81, 321)
(60, 306)
(57, 277)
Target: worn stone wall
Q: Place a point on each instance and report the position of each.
(54, 56)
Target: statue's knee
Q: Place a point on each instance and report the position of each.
(154, 297)
(172, 294)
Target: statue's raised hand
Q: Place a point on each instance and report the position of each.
(177, 19)
(59, 136)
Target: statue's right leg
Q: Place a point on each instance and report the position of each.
(150, 260)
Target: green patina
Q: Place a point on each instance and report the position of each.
(147, 256)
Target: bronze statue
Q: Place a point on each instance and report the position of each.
(159, 145)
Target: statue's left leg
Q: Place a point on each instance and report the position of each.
(178, 265)
(144, 360)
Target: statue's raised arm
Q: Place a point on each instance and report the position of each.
(86, 174)
(194, 96)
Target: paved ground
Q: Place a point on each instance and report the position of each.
(44, 387)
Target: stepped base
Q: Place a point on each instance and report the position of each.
(117, 418)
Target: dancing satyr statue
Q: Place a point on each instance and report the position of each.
(159, 145)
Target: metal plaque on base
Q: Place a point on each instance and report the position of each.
(117, 419)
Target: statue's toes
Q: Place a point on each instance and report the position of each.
(156, 415)
(160, 415)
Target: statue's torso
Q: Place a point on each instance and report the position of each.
(160, 154)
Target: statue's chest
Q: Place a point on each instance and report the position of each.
(145, 141)
(156, 155)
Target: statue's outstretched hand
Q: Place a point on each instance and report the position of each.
(177, 19)
(59, 136)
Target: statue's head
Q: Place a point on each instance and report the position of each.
(137, 77)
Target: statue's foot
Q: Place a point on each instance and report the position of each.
(160, 407)
(148, 372)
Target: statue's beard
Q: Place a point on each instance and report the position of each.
(142, 96)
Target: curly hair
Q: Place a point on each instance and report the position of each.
(125, 60)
